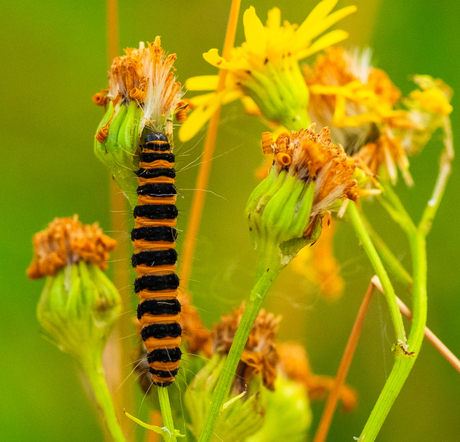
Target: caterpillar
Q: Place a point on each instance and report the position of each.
(155, 258)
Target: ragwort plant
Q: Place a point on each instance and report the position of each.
(340, 134)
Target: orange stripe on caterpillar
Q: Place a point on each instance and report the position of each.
(153, 343)
(145, 269)
(165, 365)
(144, 200)
(158, 164)
(141, 221)
(154, 319)
(163, 294)
(157, 180)
(143, 244)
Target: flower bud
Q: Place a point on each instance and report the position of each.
(79, 304)
(244, 410)
(142, 93)
(309, 177)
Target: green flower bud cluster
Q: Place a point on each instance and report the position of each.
(278, 212)
(119, 150)
(78, 308)
(280, 92)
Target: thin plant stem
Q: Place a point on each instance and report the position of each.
(163, 397)
(95, 373)
(118, 349)
(393, 264)
(404, 360)
(417, 243)
(441, 182)
(112, 29)
(205, 167)
(374, 258)
(253, 306)
(344, 366)
(429, 335)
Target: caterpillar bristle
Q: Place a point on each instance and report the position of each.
(154, 259)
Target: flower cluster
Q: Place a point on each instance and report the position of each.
(265, 68)
(143, 93)
(363, 108)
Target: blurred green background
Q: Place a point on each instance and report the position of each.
(55, 59)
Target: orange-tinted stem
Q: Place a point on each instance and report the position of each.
(429, 335)
(205, 168)
(112, 29)
(118, 350)
(334, 395)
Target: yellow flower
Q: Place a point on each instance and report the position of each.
(265, 67)
(348, 93)
(429, 107)
(362, 107)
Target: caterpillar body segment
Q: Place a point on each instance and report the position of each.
(155, 258)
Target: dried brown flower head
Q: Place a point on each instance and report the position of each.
(67, 241)
(260, 354)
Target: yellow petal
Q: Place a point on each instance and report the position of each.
(232, 96)
(213, 57)
(202, 83)
(250, 106)
(200, 100)
(318, 14)
(433, 100)
(254, 32)
(320, 27)
(325, 41)
(198, 118)
(274, 18)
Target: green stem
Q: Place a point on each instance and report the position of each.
(251, 311)
(441, 182)
(166, 414)
(417, 242)
(379, 270)
(392, 263)
(404, 362)
(95, 372)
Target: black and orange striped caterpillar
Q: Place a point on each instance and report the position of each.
(154, 259)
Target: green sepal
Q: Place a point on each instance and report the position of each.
(78, 308)
(119, 151)
(278, 213)
(280, 93)
(127, 153)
